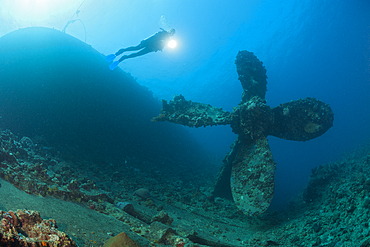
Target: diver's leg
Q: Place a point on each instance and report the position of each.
(131, 48)
(136, 54)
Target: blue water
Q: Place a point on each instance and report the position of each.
(310, 48)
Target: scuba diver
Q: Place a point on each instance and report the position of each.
(152, 44)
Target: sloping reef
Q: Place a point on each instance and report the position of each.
(60, 89)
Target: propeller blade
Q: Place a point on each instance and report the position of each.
(301, 120)
(252, 178)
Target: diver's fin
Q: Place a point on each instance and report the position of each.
(113, 65)
(110, 58)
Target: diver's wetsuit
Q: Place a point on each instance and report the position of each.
(154, 43)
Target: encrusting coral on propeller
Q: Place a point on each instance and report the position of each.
(248, 172)
(192, 114)
(27, 228)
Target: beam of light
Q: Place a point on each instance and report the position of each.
(172, 43)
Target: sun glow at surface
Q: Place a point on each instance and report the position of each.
(38, 12)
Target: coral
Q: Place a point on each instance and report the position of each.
(34, 172)
(27, 228)
(191, 114)
(142, 193)
(312, 127)
(163, 217)
(121, 240)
